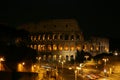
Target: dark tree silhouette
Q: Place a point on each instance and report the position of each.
(80, 56)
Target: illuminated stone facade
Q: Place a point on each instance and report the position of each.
(62, 37)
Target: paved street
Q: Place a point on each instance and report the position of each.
(112, 77)
(69, 75)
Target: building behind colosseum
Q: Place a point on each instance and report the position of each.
(61, 38)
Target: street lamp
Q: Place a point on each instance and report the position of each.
(86, 57)
(62, 67)
(75, 74)
(38, 58)
(105, 60)
(21, 67)
(1, 65)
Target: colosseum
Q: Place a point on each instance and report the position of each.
(61, 38)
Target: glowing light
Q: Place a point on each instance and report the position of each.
(97, 48)
(72, 48)
(2, 59)
(23, 63)
(69, 68)
(91, 48)
(1, 64)
(78, 48)
(21, 67)
(54, 47)
(116, 53)
(66, 48)
(60, 48)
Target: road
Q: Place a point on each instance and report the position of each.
(69, 74)
(111, 77)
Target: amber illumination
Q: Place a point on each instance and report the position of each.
(72, 48)
(49, 47)
(32, 38)
(60, 48)
(106, 49)
(91, 48)
(54, 57)
(35, 46)
(54, 47)
(39, 37)
(31, 46)
(97, 48)
(78, 48)
(66, 48)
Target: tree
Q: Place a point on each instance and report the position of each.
(80, 56)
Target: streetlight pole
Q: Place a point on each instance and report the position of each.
(105, 60)
(75, 74)
(62, 67)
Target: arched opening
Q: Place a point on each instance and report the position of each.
(44, 57)
(71, 58)
(67, 58)
(72, 37)
(54, 47)
(49, 47)
(54, 57)
(66, 37)
(55, 37)
(60, 47)
(61, 37)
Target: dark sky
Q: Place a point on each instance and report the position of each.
(95, 17)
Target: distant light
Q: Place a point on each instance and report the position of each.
(2, 59)
(70, 68)
(23, 63)
(116, 53)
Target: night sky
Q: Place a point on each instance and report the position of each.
(98, 18)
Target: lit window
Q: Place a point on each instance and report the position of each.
(42, 47)
(44, 57)
(60, 47)
(35, 47)
(49, 47)
(43, 37)
(39, 37)
(49, 37)
(54, 47)
(66, 47)
(97, 48)
(32, 38)
(106, 49)
(60, 56)
(39, 48)
(91, 48)
(31, 46)
(54, 57)
(78, 47)
(72, 48)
